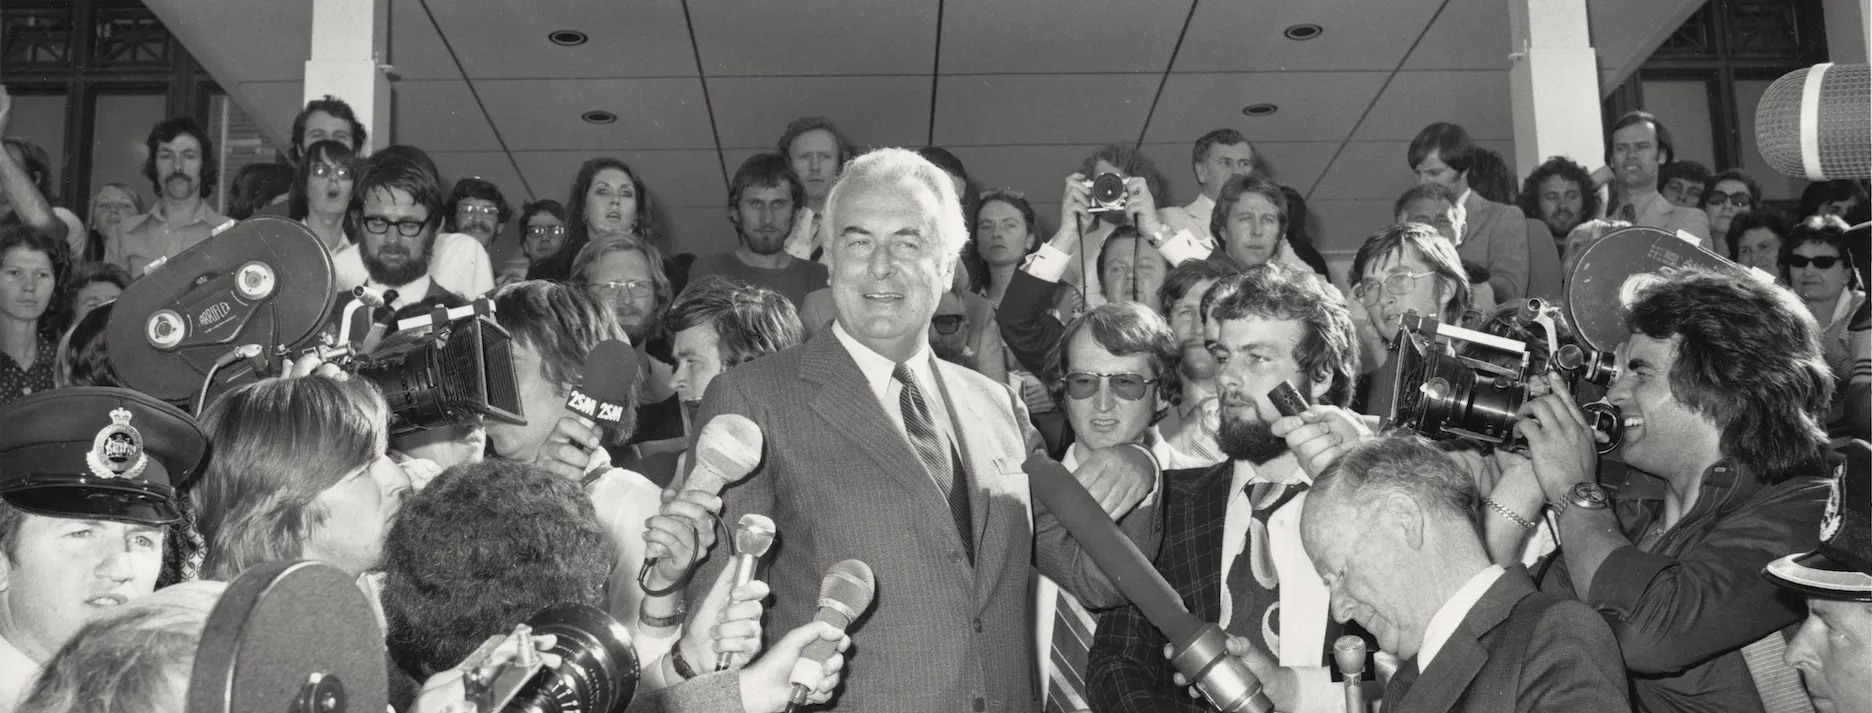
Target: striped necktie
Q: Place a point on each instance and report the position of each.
(1072, 645)
(920, 426)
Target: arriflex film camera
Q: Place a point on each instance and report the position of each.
(1108, 193)
(1449, 382)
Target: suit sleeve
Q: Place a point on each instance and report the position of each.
(1026, 328)
(754, 494)
(1126, 671)
(714, 691)
(1508, 254)
(1572, 664)
(1544, 277)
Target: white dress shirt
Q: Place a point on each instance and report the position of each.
(1305, 601)
(878, 370)
(1194, 217)
(624, 501)
(457, 262)
(17, 673)
(1451, 614)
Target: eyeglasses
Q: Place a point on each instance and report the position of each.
(1739, 199)
(637, 289)
(1130, 386)
(947, 323)
(545, 231)
(408, 228)
(1398, 284)
(324, 170)
(486, 210)
(1824, 262)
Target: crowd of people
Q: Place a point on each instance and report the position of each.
(904, 338)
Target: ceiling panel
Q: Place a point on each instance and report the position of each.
(1478, 100)
(1042, 108)
(1468, 34)
(811, 37)
(1366, 170)
(439, 115)
(752, 112)
(1313, 106)
(491, 166)
(416, 51)
(1059, 36)
(1246, 36)
(1344, 225)
(279, 53)
(502, 39)
(1037, 171)
(544, 115)
(675, 179)
(273, 104)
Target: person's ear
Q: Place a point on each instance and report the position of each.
(1401, 512)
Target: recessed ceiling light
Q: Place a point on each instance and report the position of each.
(1260, 109)
(1303, 32)
(567, 38)
(598, 116)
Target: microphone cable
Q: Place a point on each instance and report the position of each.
(244, 351)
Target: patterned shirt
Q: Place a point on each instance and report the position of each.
(17, 383)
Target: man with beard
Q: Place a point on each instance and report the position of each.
(396, 206)
(761, 204)
(1560, 194)
(1192, 421)
(181, 165)
(1231, 533)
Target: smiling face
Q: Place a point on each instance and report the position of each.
(611, 203)
(112, 206)
(1001, 234)
(26, 284)
(888, 266)
(1426, 294)
(1833, 652)
(1254, 230)
(1105, 419)
(358, 512)
(60, 572)
(1812, 282)
(1662, 435)
(814, 156)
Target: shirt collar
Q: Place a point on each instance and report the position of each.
(1193, 397)
(1203, 207)
(1451, 615)
(201, 214)
(20, 671)
(406, 294)
(1283, 469)
(878, 368)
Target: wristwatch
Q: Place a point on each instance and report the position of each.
(1588, 496)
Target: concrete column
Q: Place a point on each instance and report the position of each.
(1554, 81)
(1848, 30)
(349, 39)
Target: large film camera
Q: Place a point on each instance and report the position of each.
(1449, 382)
(301, 637)
(241, 305)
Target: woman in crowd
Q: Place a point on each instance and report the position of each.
(1728, 195)
(113, 204)
(95, 284)
(607, 197)
(321, 193)
(1816, 265)
(35, 306)
(1754, 239)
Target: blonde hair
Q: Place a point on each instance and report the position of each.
(278, 444)
(136, 658)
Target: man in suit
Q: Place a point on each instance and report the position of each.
(1492, 235)
(1231, 535)
(1390, 526)
(878, 451)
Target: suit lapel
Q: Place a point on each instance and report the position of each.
(845, 401)
(1455, 667)
(966, 413)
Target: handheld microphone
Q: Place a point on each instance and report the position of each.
(1349, 655)
(752, 538)
(1812, 123)
(728, 449)
(1199, 648)
(844, 594)
(611, 373)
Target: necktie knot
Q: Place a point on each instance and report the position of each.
(903, 375)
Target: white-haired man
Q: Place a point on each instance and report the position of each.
(878, 451)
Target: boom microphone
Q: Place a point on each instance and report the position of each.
(1200, 652)
(752, 538)
(1816, 123)
(728, 449)
(611, 373)
(844, 594)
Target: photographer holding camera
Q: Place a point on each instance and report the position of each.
(1721, 386)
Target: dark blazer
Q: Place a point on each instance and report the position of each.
(1496, 238)
(841, 481)
(1522, 650)
(1027, 328)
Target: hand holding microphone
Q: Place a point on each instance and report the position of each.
(752, 538)
(598, 407)
(728, 449)
(844, 595)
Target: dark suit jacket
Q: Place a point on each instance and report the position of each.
(1521, 649)
(1026, 327)
(1496, 238)
(841, 481)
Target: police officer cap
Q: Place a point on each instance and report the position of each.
(97, 453)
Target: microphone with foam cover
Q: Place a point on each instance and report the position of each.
(728, 449)
(1349, 656)
(611, 373)
(844, 594)
(1199, 648)
(752, 538)
(1816, 123)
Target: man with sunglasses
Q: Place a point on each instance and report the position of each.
(1115, 370)
(1231, 533)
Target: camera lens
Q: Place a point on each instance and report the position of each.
(1108, 189)
(598, 670)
